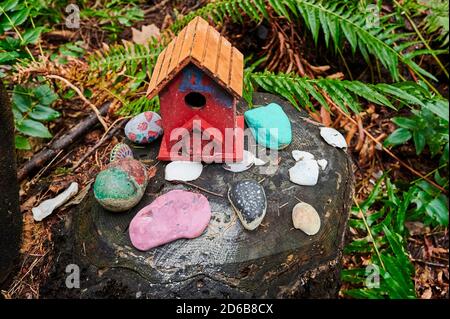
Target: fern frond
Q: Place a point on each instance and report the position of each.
(139, 105)
(302, 91)
(336, 20)
(436, 21)
(131, 57)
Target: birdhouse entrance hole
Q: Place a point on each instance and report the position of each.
(195, 100)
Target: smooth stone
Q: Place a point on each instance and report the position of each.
(322, 163)
(333, 137)
(120, 151)
(302, 155)
(144, 128)
(247, 162)
(121, 185)
(174, 215)
(183, 171)
(48, 206)
(306, 218)
(262, 119)
(249, 202)
(304, 173)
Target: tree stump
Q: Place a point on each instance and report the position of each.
(226, 261)
(10, 217)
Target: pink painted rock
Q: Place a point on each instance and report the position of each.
(174, 215)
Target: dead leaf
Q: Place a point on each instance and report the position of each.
(80, 196)
(427, 294)
(148, 32)
(336, 76)
(151, 171)
(414, 228)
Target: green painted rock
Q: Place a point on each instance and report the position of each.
(270, 126)
(121, 185)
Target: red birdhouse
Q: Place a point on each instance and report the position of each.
(199, 79)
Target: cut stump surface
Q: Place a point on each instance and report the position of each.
(275, 260)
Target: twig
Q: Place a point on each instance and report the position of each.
(156, 7)
(80, 94)
(39, 174)
(104, 138)
(201, 188)
(429, 263)
(45, 155)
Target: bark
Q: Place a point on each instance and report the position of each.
(273, 261)
(10, 217)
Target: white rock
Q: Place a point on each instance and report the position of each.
(306, 218)
(247, 162)
(304, 173)
(322, 163)
(333, 137)
(183, 171)
(49, 205)
(259, 162)
(302, 155)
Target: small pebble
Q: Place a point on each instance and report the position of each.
(306, 218)
(183, 171)
(259, 162)
(322, 163)
(247, 162)
(333, 137)
(302, 155)
(305, 173)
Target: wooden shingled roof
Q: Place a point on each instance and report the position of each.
(202, 45)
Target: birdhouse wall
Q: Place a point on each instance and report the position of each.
(219, 109)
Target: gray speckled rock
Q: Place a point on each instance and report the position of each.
(249, 201)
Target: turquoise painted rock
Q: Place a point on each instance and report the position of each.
(270, 126)
(144, 128)
(120, 151)
(121, 185)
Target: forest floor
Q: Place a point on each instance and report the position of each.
(428, 247)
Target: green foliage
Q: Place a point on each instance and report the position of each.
(299, 90)
(381, 221)
(437, 21)
(31, 107)
(139, 105)
(434, 15)
(13, 15)
(431, 205)
(427, 126)
(335, 20)
(68, 49)
(133, 62)
(133, 58)
(384, 241)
